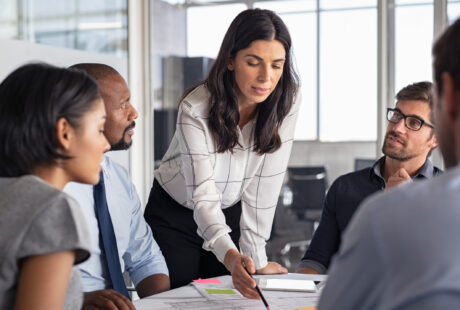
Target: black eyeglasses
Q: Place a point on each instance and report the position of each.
(411, 122)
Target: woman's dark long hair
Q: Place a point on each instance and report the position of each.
(32, 99)
(247, 27)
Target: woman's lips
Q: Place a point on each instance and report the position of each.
(260, 90)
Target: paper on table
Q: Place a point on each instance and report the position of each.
(149, 304)
(222, 292)
(190, 297)
(240, 304)
(216, 281)
(214, 291)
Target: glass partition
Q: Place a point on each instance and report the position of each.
(98, 26)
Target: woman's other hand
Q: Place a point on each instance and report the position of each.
(272, 268)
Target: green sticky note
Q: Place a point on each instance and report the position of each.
(216, 291)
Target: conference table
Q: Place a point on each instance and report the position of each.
(219, 294)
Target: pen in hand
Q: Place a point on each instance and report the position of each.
(257, 288)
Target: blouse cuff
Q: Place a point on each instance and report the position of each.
(258, 256)
(221, 247)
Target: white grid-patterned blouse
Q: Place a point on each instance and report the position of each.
(198, 177)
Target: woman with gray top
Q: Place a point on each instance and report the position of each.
(49, 118)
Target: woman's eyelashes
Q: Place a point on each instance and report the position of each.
(255, 64)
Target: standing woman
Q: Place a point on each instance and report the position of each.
(49, 118)
(218, 184)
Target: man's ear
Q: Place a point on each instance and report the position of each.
(434, 142)
(448, 96)
(64, 134)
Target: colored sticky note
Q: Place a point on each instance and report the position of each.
(215, 281)
(306, 308)
(222, 292)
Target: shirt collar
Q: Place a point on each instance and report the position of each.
(376, 168)
(105, 162)
(426, 171)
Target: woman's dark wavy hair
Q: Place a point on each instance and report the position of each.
(247, 27)
(32, 99)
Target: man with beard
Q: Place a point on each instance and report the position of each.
(121, 239)
(408, 143)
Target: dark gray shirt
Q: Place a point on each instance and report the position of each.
(342, 201)
(401, 250)
(38, 219)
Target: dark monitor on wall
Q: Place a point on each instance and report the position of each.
(179, 75)
(196, 70)
(164, 126)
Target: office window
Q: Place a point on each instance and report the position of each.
(91, 25)
(302, 28)
(8, 19)
(412, 2)
(288, 6)
(300, 18)
(453, 10)
(340, 4)
(206, 27)
(341, 32)
(348, 75)
(341, 81)
(413, 40)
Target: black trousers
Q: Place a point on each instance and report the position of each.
(175, 231)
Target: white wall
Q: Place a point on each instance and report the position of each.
(338, 157)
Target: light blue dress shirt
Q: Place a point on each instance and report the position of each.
(139, 253)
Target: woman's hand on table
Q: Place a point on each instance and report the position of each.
(272, 268)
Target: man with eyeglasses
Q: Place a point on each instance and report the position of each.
(401, 249)
(408, 143)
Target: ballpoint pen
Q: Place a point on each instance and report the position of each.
(257, 289)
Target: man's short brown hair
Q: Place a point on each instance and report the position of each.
(421, 91)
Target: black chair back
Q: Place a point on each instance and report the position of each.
(308, 186)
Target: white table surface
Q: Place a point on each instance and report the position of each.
(189, 297)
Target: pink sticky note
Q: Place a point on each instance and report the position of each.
(216, 281)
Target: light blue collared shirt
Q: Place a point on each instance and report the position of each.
(139, 253)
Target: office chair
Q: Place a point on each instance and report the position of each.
(308, 186)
